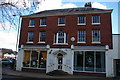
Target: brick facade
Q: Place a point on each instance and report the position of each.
(71, 28)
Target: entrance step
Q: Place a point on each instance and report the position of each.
(58, 73)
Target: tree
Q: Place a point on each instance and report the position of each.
(10, 11)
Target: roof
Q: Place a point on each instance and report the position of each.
(68, 11)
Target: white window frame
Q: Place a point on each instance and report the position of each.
(96, 42)
(28, 38)
(84, 20)
(59, 21)
(65, 43)
(30, 23)
(95, 23)
(40, 36)
(84, 37)
(41, 22)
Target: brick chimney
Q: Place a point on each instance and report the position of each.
(88, 5)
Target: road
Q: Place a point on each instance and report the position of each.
(8, 77)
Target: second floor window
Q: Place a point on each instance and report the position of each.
(30, 36)
(32, 23)
(60, 38)
(61, 21)
(81, 36)
(95, 19)
(42, 36)
(96, 36)
(81, 20)
(43, 22)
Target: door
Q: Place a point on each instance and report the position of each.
(118, 67)
(60, 61)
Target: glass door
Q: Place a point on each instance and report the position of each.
(118, 67)
(60, 61)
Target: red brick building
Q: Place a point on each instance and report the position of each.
(71, 40)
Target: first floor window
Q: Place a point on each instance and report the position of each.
(81, 36)
(60, 37)
(96, 36)
(42, 36)
(30, 36)
(93, 61)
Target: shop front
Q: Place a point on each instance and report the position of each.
(34, 59)
(89, 61)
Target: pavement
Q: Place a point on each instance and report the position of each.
(41, 76)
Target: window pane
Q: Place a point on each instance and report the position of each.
(95, 19)
(42, 36)
(81, 36)
(78, 60)
(100, 61)
(89, 61)
(61, 37)
(62, 20)
(43, 21)
(42, 59)
(34, 59)
(26, 62)
(66, 38)
(96, 35)
(81, 20)
(30, 36)
(32, 22)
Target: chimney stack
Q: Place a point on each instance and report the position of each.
(88, 5)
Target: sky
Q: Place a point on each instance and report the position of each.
(8, 37)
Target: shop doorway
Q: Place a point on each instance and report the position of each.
(60, 61)
(118, 67)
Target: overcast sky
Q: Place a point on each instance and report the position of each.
(8, 37)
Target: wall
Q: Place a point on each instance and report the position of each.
(111, 55)
(19, 63)
(67, 60)
(71, 24)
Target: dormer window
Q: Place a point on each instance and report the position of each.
(32, 23)
(61, 21)
(60, 38)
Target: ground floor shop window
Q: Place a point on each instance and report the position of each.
(35, 59)
(93, 61)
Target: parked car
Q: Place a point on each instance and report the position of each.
(6, 62)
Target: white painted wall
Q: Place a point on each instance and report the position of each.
(67, 60)
(111, 55)
(19, 60)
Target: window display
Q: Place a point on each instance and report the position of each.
(93, 61)
(35, 59)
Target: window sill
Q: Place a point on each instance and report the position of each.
(43, 25)
(31, 26)
(29, 42)
(95, 23)
(81, 42)
(96, 42)
(41, 42)
(81, 24)
(61, 24)
(60, 43)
